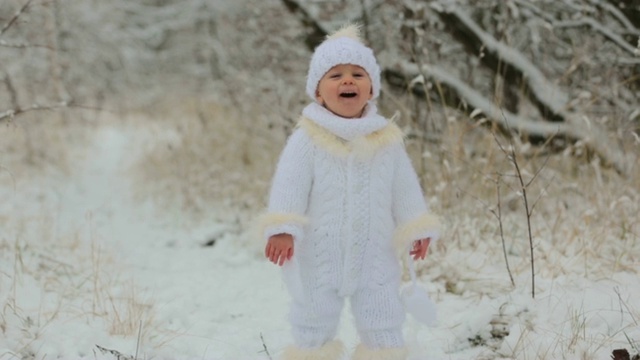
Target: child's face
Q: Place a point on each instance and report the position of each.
(345, 90)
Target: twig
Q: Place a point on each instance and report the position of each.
(498, 215)
(15, 17)
(139, 339)
(3, 168)
(631, 343)
(117, 354)
(619, 15)
(587, 21)
(546, 160)
(264, 346)
(617, 291)
(12, 113)
(316, 32)
(12, 90)
(511, 156)
(514, 160)
(22, 45)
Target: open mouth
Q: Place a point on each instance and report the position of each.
(348, 95)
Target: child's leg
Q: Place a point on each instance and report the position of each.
(314, 319)
(379, 315)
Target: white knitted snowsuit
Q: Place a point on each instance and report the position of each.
(344, 189)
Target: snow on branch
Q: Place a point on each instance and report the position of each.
(536, 10)
(573, 128)
(12, 113)
(618, 15)
(547, 94)
(606, 32)
(4, 43)
(318, 32)
(477, 101)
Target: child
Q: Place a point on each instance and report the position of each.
(343, 196)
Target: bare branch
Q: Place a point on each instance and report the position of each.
(619, 15)
(318, 32)
(498, 215)
(117, 354)
(617, 39)
(264, 346)
(478, 101)
(526, 3)
(548, 96)
(12, 113)
(545, 93)
(628, 61)
(512, 156)
(12, 90)
(541, 194)
(15, 17)
(4, 43)
(546, 160)
(572, 127)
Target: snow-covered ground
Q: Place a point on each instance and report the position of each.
(86, 272)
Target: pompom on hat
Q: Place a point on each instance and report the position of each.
(342, 47)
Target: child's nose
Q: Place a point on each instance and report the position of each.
(348, 79)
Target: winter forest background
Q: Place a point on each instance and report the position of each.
(522, 118)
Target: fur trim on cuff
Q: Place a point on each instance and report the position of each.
(278, 223)
(364, 353)
(330, 351)
(424, 226)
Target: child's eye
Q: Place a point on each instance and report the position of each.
(334, 76)
(358, 75)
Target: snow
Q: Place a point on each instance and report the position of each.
(83, 264)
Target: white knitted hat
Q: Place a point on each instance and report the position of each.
(342, 47)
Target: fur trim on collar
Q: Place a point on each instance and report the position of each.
(363, 147)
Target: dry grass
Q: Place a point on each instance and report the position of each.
(47, 276)
(585, 217)
(585, 226)
(50, 280)
(206, 158)
(38, 143)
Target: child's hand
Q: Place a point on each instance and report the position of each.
(420, 248)
(279, 248)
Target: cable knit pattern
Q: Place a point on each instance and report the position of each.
(344, 186)
(290, 189)
(410, 212)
